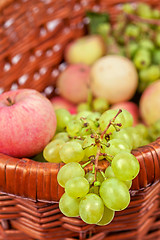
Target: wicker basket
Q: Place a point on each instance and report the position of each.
(33, 35)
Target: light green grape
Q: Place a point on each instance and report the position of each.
(115, 194)
(91, 151)
(90, 177)
(125, 166)
(136, 137)
(128, 183)
(73, 127)
(77, 187)
(94, 189)
(94, 116)
(63, 117)
(109, 115)
(110, 174)
(51, 151)
(142, 130)
(71, 152)
(91, 208)
(144, 10)
(142, 59)
(131, 48)
(132, 31)
(153, 73)
(146, 43)
(62, 136)
(100, 105)
(88, 141)
(117, 145)
(83, 107)
(123, 135)
(128, 118)
(68, 171)
(69, 206)
(83, 114)
(108, 216)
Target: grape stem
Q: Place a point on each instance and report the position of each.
(85, 164)
(109, 124)
(96, 160)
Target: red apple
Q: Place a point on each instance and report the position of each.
(73, 83)
(27, 122)
(60, 102)
(130, 107)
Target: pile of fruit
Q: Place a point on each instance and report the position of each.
(136, 35)
(94, 122)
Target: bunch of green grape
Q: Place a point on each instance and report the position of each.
(136, 35)
(84, 140)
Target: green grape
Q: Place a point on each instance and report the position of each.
(91, 151)
(125, 166)
(142, 59)
(115, 194)
(91, 208)
(73, 127)
(103, 30)
(136, 137)
(94, 189)
(83, 114)
(131, 48)
(88, 141)
(128, 8)
(94, 116)
(90, 177)
(51, 151)
(71, 152)
(68, 171)
(128, 118)
(144, 10)
(110, 174)
(69, 206)
(123, 135)
(146, 43)
(156, 56)
(117, 145)
(157, 39)
(109, 115)
(132, 31)
(77, 187)
(108, 216)
(63, 117)
(156, 13)
(128, 183)
(143, 75)
(153, 73)
(100, 105)
(83, 107)
(62, 136)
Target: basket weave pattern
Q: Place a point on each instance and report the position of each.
(33, 35)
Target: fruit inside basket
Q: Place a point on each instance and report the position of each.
(84, 163)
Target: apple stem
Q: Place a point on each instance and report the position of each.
(9, 101)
